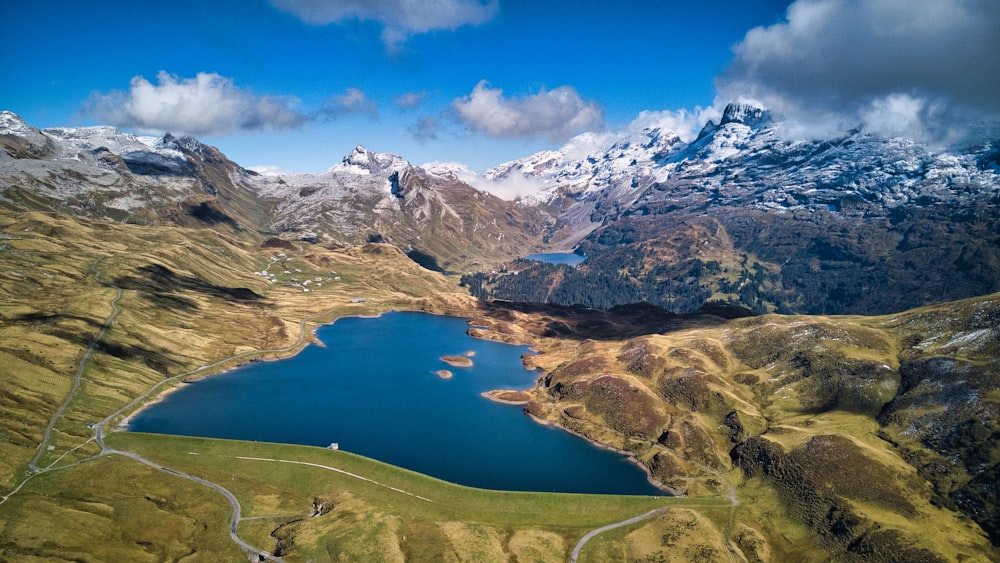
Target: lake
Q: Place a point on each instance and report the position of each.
(567, 258)
(375, 391)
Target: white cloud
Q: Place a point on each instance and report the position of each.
(399, 18)
(896, 115)
(554, 114)
(425, 129)
(206, 105)
(351, 101)
(509, 188)
(902, 67)
(687, 124)
(410, 100)
(591, 142)
(269, 170)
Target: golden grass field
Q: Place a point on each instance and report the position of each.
(194, 302)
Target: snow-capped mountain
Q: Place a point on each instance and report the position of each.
(746, 161)
(854, 224)
(741, 213)
(380, 196)
(365, 162)
(106, 174)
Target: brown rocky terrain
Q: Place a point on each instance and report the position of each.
(849, 425)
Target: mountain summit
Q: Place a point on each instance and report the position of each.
(747, 114)
(363, 161)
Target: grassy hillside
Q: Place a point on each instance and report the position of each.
(194, 301)
(794, 438)
(864, 438)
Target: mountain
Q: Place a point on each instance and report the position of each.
(102, 173)
(741, 214)
(439, 220)
(131, 263)
(858, 224)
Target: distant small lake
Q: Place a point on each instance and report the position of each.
(374, 389)
(568, 258)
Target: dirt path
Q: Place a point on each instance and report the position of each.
(78, 376)
(590, 535)
(233, 502)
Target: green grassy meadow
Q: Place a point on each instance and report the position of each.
(765, 422)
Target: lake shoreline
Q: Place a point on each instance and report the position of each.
(515, 397)
(295, 350)
(628, 455)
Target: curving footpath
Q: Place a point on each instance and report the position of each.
(78, 376)
(336, 470)
(590, 535)
(108, 450)
(233, 501)
(237, 510)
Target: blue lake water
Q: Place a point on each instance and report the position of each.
(568, 258)
(373, 389)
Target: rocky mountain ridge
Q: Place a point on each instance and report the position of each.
(102, 173)
(858, 224)
(746, 161)
(778, 412)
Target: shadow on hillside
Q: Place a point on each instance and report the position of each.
(623, 321)
(159, 284)
(157, 361)
(50, 318)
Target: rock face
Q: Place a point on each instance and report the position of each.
(104, 174)
(442, 222)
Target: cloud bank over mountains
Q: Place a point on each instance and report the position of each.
(928, 70)
(922, 69)
(555, 114)
(207, 105)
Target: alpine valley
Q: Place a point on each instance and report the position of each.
(797, 340)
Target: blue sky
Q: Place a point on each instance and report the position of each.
(297, 84)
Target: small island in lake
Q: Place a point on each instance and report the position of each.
(508, 396)
(444, 374)
(457, 361)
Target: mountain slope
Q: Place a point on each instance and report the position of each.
(766, 422)
(440, 220)
(102, 173)
(877, 435)
(858, 224)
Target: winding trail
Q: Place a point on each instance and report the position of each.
(106, 450)
(233, 502)
(590, 535)
(78, 376)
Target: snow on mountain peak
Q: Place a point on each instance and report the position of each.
(747, 114)
(363, 161)
(12, 124)
(168, 141)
